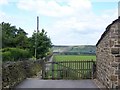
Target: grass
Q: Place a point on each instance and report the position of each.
(74, 57)
(70, 67)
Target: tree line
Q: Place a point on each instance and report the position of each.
(16, 45)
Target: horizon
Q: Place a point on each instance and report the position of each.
(74, 45)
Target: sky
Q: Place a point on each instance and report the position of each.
(67, 22)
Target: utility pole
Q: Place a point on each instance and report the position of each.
(36, 37)
(37, 24)
(35, 45)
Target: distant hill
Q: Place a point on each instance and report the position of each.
(74, 50)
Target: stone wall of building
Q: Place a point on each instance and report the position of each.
(108, 56)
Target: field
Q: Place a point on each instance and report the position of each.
(74, 57)
(75, 50)
(71, 67)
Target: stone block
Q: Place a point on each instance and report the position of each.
(113, 78)
(114, 36)
(119, 77)
(119, 66)
(111, 43)
(117, 72)
(111, 59)
(114, 64)
(118, 41)
(117, 58)
(115, 50)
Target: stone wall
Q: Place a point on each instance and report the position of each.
(108, 56)
(15, 72)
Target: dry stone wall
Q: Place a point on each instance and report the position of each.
(108, 56)
(15, 72)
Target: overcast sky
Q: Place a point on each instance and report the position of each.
(67, 22)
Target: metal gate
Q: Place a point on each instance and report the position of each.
(71, 70)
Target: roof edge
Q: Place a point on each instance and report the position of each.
(107, 29)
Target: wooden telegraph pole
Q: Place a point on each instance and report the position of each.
(36, 37)
(37, 24)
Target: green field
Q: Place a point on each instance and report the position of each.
(74, 57)
(72, 67)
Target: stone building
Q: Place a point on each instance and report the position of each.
(108, 56)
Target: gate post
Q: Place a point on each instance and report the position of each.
(53, 70)
(43, 69)
(93, 69)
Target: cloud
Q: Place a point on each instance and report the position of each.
(4, 16)
(18, 21)
(54, 8)
(81, 30)
(3, 2)
(105, 0)
(74, 20)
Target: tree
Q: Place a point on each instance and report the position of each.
(43, 44)
(22, 39)
(8, 35)
(17, 38)
(13, 37)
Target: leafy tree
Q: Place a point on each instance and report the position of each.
(16, 41)
(13, 37)
(22, 39)
(8, 35)
(42, 45)
(17, 38)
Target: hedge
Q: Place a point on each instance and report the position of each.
(14, 54)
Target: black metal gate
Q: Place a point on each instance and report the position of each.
(71, 70)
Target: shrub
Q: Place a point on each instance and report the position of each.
(6, 56)
(14, 54)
